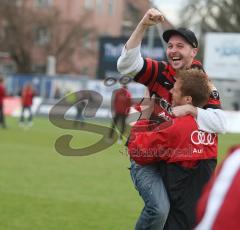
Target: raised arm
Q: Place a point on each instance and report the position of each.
(152, 17)
(130, 62)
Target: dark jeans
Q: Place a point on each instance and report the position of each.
(2, 117)
(119, 120)
(79, 119)
(184, 187)
(22, 118)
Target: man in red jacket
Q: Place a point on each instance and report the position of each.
(27, 95)
(172, 140)
(219, 205)
(121, 104)
(181, 144)
(2, 95)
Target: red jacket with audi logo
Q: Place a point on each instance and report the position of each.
(177, 140)
(158, 77)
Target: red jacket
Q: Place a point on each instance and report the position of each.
(177, 140)
(159, 78)
(219, 205)
(2, 93)
(27, 96)
(122, 101)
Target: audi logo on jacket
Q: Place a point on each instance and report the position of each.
(177, 140)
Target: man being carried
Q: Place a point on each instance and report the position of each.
(181, 144)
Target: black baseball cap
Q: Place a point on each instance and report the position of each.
(185, 33)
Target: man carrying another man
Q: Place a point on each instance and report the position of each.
(159, 78)
(180, 143)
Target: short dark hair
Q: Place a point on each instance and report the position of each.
(195, 83)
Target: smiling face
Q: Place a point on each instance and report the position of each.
(180, 53)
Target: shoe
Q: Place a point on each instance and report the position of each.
(119, 141)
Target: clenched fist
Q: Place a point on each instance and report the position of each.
(152, 17)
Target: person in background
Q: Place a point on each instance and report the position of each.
(79, 118)
(2, 95)
(235, 106)
(121, 104)
(27, 95)
(219, 205)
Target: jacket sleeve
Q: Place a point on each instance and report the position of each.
(214, 101)
(130, 62)
(212, 120)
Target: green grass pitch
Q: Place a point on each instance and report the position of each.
(43, 190)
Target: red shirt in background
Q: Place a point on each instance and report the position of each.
(122, 101)
(2, 93)
(27, 96)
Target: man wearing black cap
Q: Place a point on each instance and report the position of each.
(159, 78)
(183, 32)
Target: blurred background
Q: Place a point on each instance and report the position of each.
(63, 46)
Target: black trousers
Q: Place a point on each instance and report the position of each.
(2, 117)
(22, 118)
(119, 120)
(184, 187)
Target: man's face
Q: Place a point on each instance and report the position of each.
(177, 98)
(180, 53)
